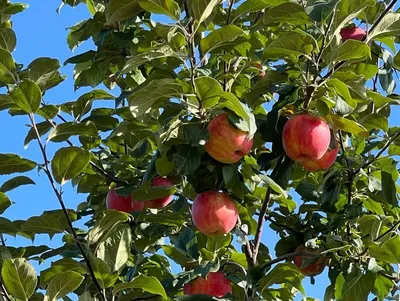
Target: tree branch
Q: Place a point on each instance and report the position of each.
(64, 209)
(371, 29)
(192, 45)
(384, 148)
(228, 21)
(288, 256)
(257, 238)
(4, 291)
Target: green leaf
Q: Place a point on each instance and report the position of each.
(215, 243)
(354, 288)
(44, 72)
(16, 182)
(19, 278)
(4, 202)
(120, 10)
(167, 219)
(8, 39)
(250, 6)
(219, 37)
(375, 121)
(64, 131)
(61, 266)
(382, 287)
(389, 26)
(389, 188)
(208, 91)
(42, 127)
(164, 7)
(7, 227)
(232, 180)
(10, 163)
(153, 192)
(157, 90)
(179, 256)
(163, 166)
(291, 13)
(7, 68)
(387, 252)
(27, 96)
(63, 284)
(202, 9)
(186, 159)
(274, 186)
(148, 284)
(115, 250)
(68, 162)
(106, 225)
(347, 125)
(84, 103)
(291, 44)
(349, 50)
(141, 59)
(232, 103)
(50, 222)
(102, 272)
(283, 273)
(6, 102)
(346, 11)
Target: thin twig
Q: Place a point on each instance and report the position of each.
(288, 256)
(5, 293)
(386, 146)
(257, 238)
(64, 209)
(228, 21)
(192, 45)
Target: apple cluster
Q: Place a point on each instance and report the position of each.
(306, 140)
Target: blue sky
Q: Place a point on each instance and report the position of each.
(41, 32)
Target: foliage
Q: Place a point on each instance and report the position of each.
(260, 60)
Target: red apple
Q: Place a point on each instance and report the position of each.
(354, 33)
(215, 284)
(121, 203)
(227, 144)
(214, 213)
(312, 269)
(306, 138)
(324, 163)
(161, 202)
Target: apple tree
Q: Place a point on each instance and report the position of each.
(217, 120)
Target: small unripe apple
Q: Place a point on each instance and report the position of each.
(215, 284)
(306, 138)
(121, 203)
(227, 144)
(214, 213)
(324, 163)
(312, 269)
(354, 33)
(161, 202)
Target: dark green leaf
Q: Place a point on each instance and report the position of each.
(7, 68)
(355, 288)
(120, 10)
(10, 163)
(219, 37)
(50, 222)
(8, 39)
(148, 284)
(19, 278)
(291, 13)
(84, 102)
(63, 284)
(165, 7)
(27, 96)
(60, 266)
(103, 272)
(16, 182)
(4, 202)
(64, 131)
(68, 162)
(186, 159)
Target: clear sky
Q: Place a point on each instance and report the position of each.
(41, 32)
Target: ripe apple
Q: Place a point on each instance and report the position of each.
(161, 202)
(324, 163)
(121, 203)
(306, 138)
(215, 284)
(227, 144)
(354, 33)
(214, 213)
(312, 269)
